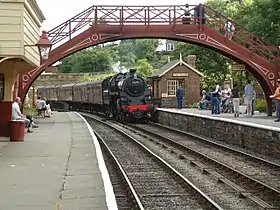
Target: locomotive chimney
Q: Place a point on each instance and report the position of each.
(132, 71)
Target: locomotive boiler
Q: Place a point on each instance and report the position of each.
(129, 97)
(123, 96)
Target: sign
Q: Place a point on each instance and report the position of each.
(1, 86)
(164, 95)
(180, 74)
(238, 67)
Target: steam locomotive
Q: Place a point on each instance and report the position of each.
(123, 96)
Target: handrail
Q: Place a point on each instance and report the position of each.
(158, 15)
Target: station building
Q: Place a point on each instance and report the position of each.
(20, 23)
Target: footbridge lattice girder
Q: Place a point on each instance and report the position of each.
(100, 24)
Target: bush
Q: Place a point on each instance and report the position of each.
(260, 105)
(193, 105)
(27, 110)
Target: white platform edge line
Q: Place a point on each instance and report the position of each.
(109, 191)
(218, 118)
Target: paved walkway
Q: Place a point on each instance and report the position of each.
(259, 119)
(59, 166)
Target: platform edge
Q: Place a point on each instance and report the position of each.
(218, 118)
(110, 195)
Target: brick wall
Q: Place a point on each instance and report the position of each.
(258, 140)
(192, 83)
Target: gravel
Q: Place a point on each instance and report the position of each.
(157, 187)
(244, 164)
(225, 196)
(119, 185)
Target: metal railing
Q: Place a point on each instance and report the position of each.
(159, 15)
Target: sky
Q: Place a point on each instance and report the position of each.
(58, 11)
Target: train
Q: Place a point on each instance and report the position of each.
(123, 96)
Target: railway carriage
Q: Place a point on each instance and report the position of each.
(124, 96)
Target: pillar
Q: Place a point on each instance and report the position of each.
(6, 103)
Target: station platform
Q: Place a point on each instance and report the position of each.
(58, 166)
(257, 120)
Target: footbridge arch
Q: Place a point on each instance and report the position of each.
(101, 24)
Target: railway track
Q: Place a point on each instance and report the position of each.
(253, 187)
(124, 192)
(153, 182)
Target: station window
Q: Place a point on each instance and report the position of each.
(172, 86)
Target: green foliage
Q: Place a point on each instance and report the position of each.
(28, 110)
(144, 68)
(133, 50)
(95, 59)
(260, 105)
(258, 16)
(88, 77)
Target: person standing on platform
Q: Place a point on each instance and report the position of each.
(276, 97)
(180, 96)
(215, 99)
(235, 100)
(248, 98)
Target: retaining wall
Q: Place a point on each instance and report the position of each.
(257, 138)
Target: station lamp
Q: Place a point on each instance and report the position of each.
(44, 45)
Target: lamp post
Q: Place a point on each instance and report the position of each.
(44, 45)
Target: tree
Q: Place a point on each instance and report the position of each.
(132, 50)
(144, 68)
(95, 59)
(258, 16)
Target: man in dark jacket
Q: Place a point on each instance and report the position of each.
(180, 96)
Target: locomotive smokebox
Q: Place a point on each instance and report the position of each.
(132, 71)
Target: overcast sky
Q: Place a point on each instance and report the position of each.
(58, 11)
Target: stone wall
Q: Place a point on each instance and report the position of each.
(259, 140)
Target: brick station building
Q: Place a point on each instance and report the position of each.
(167, 79)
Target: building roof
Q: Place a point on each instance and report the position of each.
(170, 65)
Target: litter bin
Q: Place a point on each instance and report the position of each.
(17, 129)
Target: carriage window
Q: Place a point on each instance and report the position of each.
(172, 86)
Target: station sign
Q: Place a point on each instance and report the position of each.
(238, 67)
(180, 74)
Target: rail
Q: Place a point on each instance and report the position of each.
(204, 199)
(257, 191)
(159, 15)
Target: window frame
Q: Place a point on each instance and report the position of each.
(170, 47)
(175, 87)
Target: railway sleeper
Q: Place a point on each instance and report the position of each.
(243, 194)
(260, 202)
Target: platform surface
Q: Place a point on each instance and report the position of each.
(259, 120)
(58, 166)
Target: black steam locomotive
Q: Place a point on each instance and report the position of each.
(124, 96)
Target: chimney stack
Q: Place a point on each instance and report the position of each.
(191, 60)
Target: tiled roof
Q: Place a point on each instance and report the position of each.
(170, 65)
(166, 67)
